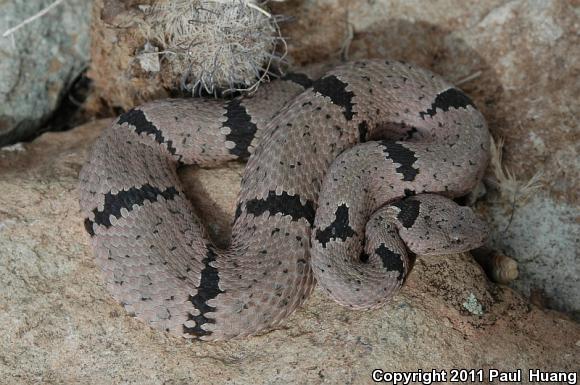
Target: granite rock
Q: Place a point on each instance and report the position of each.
(39, 62)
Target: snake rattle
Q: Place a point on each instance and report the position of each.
(346, 176)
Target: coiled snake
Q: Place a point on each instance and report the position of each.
(348, 174)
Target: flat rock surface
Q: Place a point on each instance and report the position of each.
(60, 326)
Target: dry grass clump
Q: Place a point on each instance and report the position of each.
(215, 45)
(509, 187)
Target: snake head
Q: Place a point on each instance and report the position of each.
(433, 225)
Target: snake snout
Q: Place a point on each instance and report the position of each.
(441, 226)
(466, 232)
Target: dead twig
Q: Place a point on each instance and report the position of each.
(38, 15)
(468, 78)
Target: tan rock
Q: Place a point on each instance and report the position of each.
(60, 326)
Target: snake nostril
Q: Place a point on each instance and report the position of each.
(363, 257)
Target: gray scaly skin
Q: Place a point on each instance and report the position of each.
(347, 175)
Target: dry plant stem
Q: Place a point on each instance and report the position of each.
(259, 9)
(510, 188)
(468, 78)
(32, 18)
(344, 49)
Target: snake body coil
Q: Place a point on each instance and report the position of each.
(347, 174)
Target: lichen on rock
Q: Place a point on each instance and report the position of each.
(472, 306)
